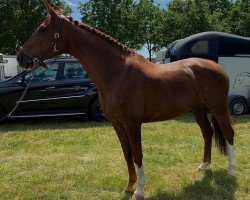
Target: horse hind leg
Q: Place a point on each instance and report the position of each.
(200, 114)
(225, 133)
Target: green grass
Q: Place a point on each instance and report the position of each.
(76, 159)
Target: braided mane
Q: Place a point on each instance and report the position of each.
(99, 33)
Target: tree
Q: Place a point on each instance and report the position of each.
(240, 18)
(232, 16)
(150, 20)
(184, 18)
(221, 6)
(134, 23)
(114, 17)
(219, 12)
(19, 19)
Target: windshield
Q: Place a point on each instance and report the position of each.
(43, 74)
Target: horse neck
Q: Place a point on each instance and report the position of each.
(102, 60)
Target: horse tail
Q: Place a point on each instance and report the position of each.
(220, 141)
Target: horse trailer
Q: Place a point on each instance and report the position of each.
(231, 52)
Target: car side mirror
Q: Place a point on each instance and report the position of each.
(23, 81)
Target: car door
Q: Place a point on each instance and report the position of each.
(72, 92)
(41, 95)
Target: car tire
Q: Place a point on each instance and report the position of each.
(95, 112)
(2, 114)
(238, 107)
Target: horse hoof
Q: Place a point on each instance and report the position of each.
(137, 197)
(231, 176)
(204, 166)
(128, 193)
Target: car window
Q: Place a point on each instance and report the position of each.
(42, 74)
(74, 70)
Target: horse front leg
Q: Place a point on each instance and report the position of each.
(127, 151)
(133, 131)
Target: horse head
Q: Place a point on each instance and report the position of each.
(43, 43)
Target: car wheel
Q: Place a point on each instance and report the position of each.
(96, 113)
(2, 114)
(238, 107)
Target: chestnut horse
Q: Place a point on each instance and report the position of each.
(133, 90)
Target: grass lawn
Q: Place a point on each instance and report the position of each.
(77, 159)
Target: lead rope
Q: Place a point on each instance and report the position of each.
(25, 90)
(21, 98)
(35, 60)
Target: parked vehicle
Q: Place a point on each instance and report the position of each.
(232, 52)
(62, 89)
(11, 67)
(2, 75)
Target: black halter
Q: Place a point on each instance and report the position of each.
(36, 60)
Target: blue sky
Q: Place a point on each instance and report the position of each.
(76, 14)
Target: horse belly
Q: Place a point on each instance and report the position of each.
(154, 98)
(172, 102)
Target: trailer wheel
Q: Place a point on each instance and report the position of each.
(238, 107)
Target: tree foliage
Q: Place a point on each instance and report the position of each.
(136, 23)
(187, 17)
(239, 18)
(150, 26)
(142, 22)
(219, 11)
(114, 17)
(19, 18)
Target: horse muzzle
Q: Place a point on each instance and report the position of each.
(27, 60)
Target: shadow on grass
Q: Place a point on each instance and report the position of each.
(186, 118)
(214, 185)
(83, 122)
(51, 123)
(189, 118)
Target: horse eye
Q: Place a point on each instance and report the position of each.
(41, 29)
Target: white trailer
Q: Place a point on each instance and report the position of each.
(232, 52)
(11, 67)
(2, 76)
(238, 70)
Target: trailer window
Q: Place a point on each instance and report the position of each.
(200, 47)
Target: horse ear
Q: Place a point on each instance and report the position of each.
(50, 9)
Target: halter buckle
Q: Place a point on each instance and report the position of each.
(35, 60)
(57, 35)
